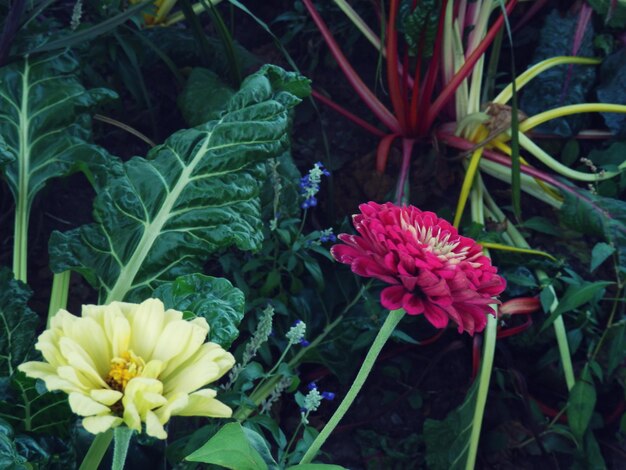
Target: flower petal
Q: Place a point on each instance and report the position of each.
(100, 424)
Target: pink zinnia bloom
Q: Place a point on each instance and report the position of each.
(431, 268)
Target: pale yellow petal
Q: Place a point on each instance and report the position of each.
(152, 369)
(199, 331)
(174, 405)
(48, 344)
(131, 417)
(83, 405)
(145, 394)
(106, 397)
(91, 337)
(62, 320)
(209, 364)
(36, 369)
(77, 379)
(173, 340)
(78, 358)
(54, 382)
(99, 424)
(146, 327)
(203, 403)
(153, 427)
(117, 329)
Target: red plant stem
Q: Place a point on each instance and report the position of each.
(370, 100)
(532, 11)
(584, 16)
(506, 332)
(393, 76)
(407, 149)
(466, 69)
(431, 76)
(344, 112)
(382, 153)
(415, 92)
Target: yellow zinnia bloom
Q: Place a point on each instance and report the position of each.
(129, 364)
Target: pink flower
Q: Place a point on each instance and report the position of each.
(431, 268)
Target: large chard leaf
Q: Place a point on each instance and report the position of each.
(601, 216)
(21, 404)
(190, 197)
(17, 323)
(44, 129)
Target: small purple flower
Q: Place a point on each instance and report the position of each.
(310, 184)
(312, 386)
(330, 396)
(304, 343)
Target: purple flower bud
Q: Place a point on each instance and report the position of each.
(304, 343)
(312, 386)
(330, 396)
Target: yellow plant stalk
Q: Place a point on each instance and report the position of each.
(528, 251)
(131, 364)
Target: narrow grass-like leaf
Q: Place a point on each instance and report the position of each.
(192, 196)
(85, 35)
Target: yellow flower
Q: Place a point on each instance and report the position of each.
(129, 364)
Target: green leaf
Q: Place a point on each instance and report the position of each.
(600, 216)
(582, 401)
(447, 441)
(214, 299)
(229, 448)
(575, 296)
(10, 459)
(260, 445)
(316, 466)
(419, 25)
(45, 129)
(17, 323)
(601, 251)
(29, 407)
(192, 196)
(204, 97)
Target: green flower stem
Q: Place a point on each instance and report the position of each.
(384, 333)
(478, 215)
(97, 450)
(483, 388)
(122, 436)
(59, 294)
(559, 326)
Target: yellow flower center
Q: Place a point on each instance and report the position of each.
(123, 369)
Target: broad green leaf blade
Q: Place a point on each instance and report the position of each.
(596, 215)
(214, 299)
(582, 401)
(28, 407)
(10, 458)
(45, 130)
(601, 251)
(204, 97)
(17, 323)
(229, 448)
(192, 196)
